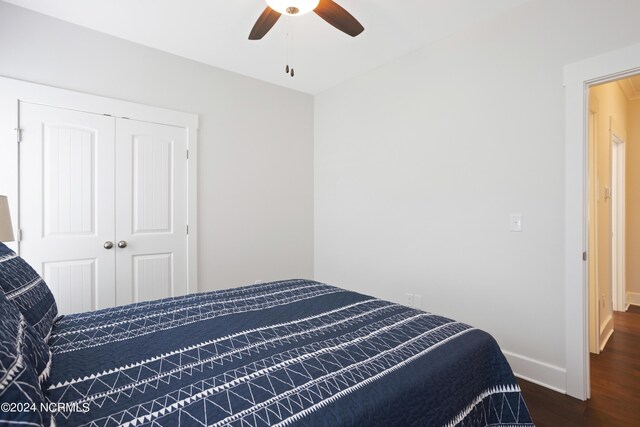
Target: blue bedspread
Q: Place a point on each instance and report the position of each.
(283, 353)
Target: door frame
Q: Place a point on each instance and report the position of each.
(618, 218)
(578, 77)
(13, 91)
(592, 281)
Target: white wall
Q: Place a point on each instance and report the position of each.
(419, 163)
(255, 139)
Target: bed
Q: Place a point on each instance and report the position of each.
(294, 352)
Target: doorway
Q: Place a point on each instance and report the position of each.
(610, 125)
(578, 78)
(613, 132)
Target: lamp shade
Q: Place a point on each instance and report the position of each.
(293, 7)
(6, 229)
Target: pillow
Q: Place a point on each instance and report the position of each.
(26, 289)
(23, 365)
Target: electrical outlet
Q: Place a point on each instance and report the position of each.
(409, 300)
(413, 300)
(417, 301)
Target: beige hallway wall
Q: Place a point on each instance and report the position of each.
(633, 203)
(611, 116)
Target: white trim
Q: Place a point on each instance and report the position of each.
(577, 78)
(193, 284)
(633, 298)
(618, 188)
(537, 372)
(592, 281)
(606, 331)
(14, 91)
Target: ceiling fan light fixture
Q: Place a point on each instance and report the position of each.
(293, 7)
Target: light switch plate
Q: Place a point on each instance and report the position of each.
(516, 223)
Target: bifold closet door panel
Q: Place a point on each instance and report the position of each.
(67, 214)
(151, 211)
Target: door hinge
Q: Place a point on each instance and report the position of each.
(584, 256)
(19, 235)
(18, 135)
(187, 230)
(187, 154)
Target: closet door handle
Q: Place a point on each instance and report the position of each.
(108, 245)
(122, 244)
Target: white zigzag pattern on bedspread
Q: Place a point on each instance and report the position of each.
(120, 330)
(312, 373)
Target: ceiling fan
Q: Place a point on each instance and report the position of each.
(328, 10)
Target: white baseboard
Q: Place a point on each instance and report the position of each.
(633, 298)
(537, 372)
(605, 332)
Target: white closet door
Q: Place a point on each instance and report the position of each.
(151, 211)
(66, 203)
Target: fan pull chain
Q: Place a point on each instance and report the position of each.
(286, 48)
(292, 71)
(288, 69)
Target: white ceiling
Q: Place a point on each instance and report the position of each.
(631, 87)
(215, 32)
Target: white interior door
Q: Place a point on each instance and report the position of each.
(66, 203)
(151, 211)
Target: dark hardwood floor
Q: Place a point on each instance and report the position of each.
(615, 385)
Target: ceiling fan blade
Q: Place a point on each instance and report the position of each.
(264, 23)
(337, 16)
